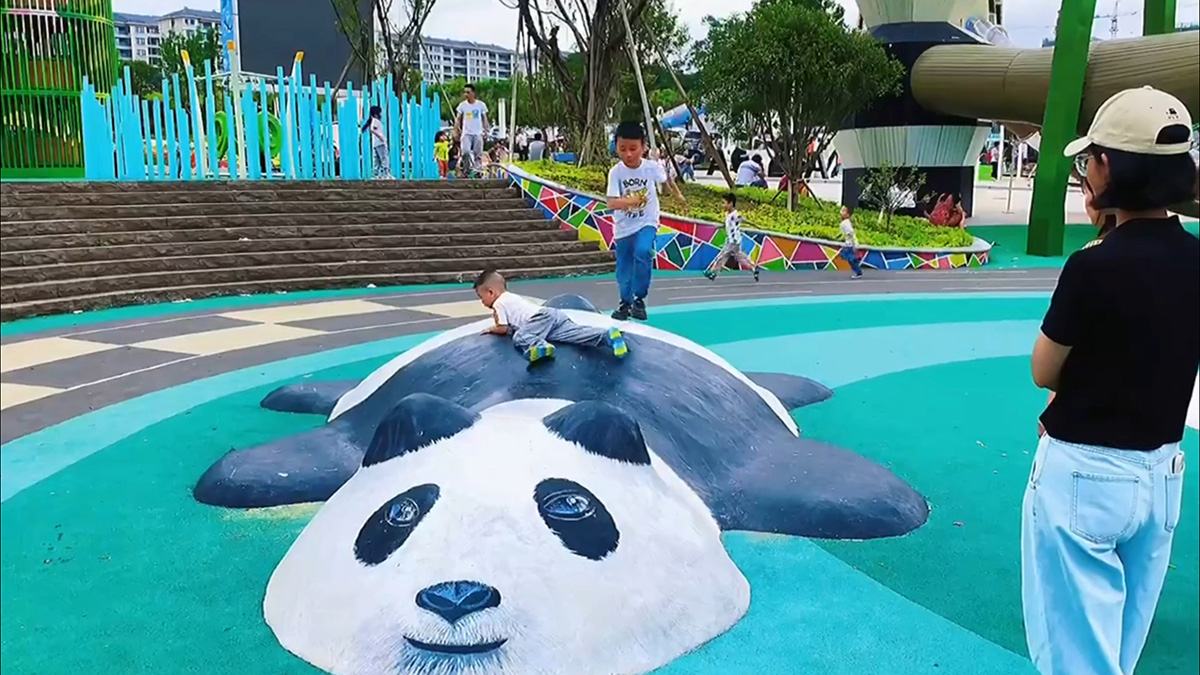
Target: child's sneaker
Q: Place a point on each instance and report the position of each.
(712, 276)
(617, 340)
(638, 311)
(621, 313)
(539, 352)
(756, 274)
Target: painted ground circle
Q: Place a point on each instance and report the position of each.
(110, 566)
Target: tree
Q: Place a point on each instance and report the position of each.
(201, 46)
(888, 188)
(796, 73)
(391, 51)
(588, 83)
(144, 78)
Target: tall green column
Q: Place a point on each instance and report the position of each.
(1158, 17)
(1059, 127)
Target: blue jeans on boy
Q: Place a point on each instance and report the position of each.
(849, 255)
(1096, 531)
(635, 261)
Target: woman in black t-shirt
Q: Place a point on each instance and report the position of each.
(1119, 347)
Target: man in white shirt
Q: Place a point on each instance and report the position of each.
(633, 198)
(537, 149)
(733, 242)
(535, 329)
(750, 173)
(469, 125)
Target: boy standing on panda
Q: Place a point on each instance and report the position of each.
(633, 198)
(535, 329)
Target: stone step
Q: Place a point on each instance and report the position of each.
(19, 310)
(256, 233)
(52, 187)
(386, 269)
(179, 264)
(33, 214)
(171, 245)
(403, 191)
(95, 226)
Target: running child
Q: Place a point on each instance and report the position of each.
(534, 329)
(733, 242)
(633, 198)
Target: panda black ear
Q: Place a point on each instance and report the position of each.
(416, 421)
(601, 429)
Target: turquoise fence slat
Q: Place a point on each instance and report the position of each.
(303, 131)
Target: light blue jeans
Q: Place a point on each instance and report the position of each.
(1096, 531)
(635, 263)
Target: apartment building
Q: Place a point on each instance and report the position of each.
(139, 36)
(441, 60)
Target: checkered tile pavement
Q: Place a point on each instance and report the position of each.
(41, 367)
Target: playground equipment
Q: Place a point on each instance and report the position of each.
(48, 47)
(961, 79)
(288, 129)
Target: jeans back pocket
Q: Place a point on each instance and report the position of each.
(1174, 501)
(1103, 507)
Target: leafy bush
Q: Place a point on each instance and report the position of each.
(814, 219)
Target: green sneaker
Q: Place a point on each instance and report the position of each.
(617, 340)
(539, 352)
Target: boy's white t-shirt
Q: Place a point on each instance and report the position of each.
(513, 310)
(377, 137)
(733, 228)
(624, 182)
(848, 235)
(472, 116)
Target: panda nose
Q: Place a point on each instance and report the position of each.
(452, 600)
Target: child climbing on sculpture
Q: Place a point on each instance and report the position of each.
(535, 329)
(733, 242)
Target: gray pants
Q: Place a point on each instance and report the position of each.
(381, 161)
(472, 151)
(731, 250)
(551, 325)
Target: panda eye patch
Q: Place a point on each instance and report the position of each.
(577, 518)
(390, 526)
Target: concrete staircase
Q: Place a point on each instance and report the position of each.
(81, 246)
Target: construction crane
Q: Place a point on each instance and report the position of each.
(1114, 19)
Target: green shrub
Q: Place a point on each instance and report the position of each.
(813, 218)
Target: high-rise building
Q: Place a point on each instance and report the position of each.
(441, 60)
(139, 36)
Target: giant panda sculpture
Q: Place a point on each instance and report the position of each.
(485, 516)
(539, 538)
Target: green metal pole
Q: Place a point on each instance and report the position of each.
(1067, 72)
(1158, 17)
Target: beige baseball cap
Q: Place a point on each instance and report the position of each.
(1131, 120)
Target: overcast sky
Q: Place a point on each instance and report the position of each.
(1028, 21)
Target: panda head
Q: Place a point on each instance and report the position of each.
(510, 543)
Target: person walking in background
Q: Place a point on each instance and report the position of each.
(1119, 347)
(733, 242)
(469, 124)
(849, 251)
(537, 149)
(633, 198)
(379, 144)
(441, 153)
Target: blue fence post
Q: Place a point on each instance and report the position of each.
(264, 113)
(131, 133)
(314, 122)
(210, 120)
(327, 140)
(172, 159)
(348, 162)
(149, 150)
(183, 132)
(99, 154)
(231, 158)
(435, 126)
(250, 124)
(287, 125)
(198, 140)
(160, 145)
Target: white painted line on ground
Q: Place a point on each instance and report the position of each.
(767, 294)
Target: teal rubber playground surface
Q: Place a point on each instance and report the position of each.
(109, 565)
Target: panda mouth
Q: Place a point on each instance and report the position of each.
(456, 650)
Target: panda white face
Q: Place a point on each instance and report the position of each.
(506, 544)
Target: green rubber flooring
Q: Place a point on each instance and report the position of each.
(109, 565)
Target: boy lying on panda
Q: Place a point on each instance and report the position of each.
(534, 329)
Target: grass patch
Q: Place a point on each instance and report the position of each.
(814, 218)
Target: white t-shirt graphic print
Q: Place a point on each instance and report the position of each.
(733, 228)
(625, 182)
(472, 117)
(513, 310)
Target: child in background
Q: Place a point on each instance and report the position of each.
(733, 242)
(452, 163)
(849, 252)
(633, 198)
(379, 148)
(533, 328)
(441, 152)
